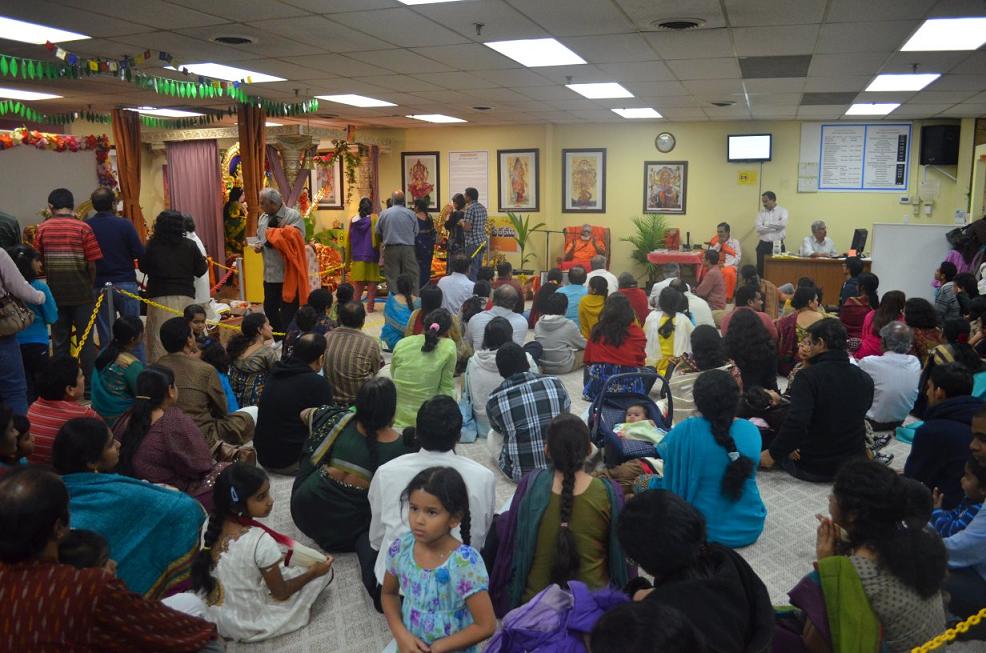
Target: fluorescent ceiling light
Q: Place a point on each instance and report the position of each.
(165, 113)
(644, 112)
(902, 82)
(19, 30)
(273, 124)
(424, 2)
(948, 34)
(17, 94)
(872, 109)
(229, 73)
(600, 91)
(435, 117)
(356, 100)
(534, 53)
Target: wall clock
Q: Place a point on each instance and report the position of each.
(664, 142)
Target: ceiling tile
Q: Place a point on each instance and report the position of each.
(715, 87)
(838, 65)
(404, 83)
(835, 84)
(597, 115)
(976, 99)
(513, 77)
(693, 44)
(774, 113)
(70, 18)
(401, 27)
(558, 17)
(783, 66)
(282, 68)
(950, 82)
(657, 89)
(641, 71)
(336, 6)
(771, 41)
(974, 64)
(957, 8)
(916, 111)
(929, 109)
(822, 112)
(500, 21)
(886, 36)
(743, 13)
(705, 68)
(927, 62)
(472, 56)
(455, 80)
(646, 13)
(684, 114)
(774, 99)
(243, 10)
(266, 43)
(320, 31)
(400, 61)
(428, 96)
(776, 85)
(672, 102)
(737, 111)
(827, 99)
(496, 94)
(966, 111)
(187, 48)
(897, 96)
(612, 48)
(951, 97)
(851, 11)
(156, 13)
(579, 74)
(547, 93)
(337, 64)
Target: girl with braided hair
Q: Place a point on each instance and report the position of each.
(250, 594)
(443, 582)
(423, 366)
(710, 461)
(561, 525)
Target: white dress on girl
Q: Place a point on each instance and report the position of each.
(244, 610)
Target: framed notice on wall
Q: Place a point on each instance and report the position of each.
(863, 157)
(469, 170)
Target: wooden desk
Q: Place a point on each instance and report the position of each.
(827, 273)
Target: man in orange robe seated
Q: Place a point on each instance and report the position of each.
(729, 252)
(582, 249)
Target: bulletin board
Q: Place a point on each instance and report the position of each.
(855, 157)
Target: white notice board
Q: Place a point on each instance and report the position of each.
(469, 170)
(863, 157)
(905, 256)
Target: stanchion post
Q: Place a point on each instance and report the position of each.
(240, 278)
(108, 302)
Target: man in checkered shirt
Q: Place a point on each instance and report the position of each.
(474, 224)
(519, 411)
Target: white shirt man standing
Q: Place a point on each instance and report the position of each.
(818, 244)
(771, 226)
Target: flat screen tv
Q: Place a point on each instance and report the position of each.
(748, 147)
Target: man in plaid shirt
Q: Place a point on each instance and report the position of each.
(519, 411)
(474, 224)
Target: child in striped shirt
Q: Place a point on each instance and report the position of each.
(950, 522)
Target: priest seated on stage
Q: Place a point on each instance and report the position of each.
(581, 246)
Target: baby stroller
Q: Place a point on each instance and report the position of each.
(609, 408)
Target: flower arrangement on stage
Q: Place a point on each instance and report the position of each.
(65, 143)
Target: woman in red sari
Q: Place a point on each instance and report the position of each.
(853, 311)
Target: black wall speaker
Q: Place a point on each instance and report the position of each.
(940, 145)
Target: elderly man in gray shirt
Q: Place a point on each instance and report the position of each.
(397, 228)
(275, 215)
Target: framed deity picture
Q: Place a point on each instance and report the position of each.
(326, 185)
(420, 178)
(665, 186)
(517, 180)
(583, 186)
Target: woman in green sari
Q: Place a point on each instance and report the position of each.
(329, 499)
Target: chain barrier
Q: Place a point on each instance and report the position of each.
(212, 261)
(949, 635)
(76, 348)
(168, 309)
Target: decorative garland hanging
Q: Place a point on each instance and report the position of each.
(65, 143)
(350, 159)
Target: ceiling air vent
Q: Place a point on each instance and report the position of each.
(483, 108)
(678, 24)
(724, 103)
(233, 40)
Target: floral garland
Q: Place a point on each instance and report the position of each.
(65, 143)
(350, 161)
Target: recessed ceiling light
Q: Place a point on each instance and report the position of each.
(19, 30)
(425, 2)
(17, 94)
(534, 53)
(872, 108)
(902, 82)
(435, 117)
(165, 113)
(644, 112)
(948, 34)
(600, 91)
(229, 73)
(356, 100)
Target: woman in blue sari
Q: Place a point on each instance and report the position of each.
(153, 531)
(424, 242)
(710, 462)
(397, 311)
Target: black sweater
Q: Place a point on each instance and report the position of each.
(829, 400)
(171, 270)
(291, 387)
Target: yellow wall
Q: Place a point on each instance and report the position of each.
(713, 193)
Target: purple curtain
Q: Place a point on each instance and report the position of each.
(289, 194)
(375, 178)
(196, 190)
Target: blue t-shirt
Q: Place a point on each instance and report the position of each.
(575, 293)
(44, 314)
(120, 245)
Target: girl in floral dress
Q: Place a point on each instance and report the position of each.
(444, 581)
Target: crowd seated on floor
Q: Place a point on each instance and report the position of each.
(136, 522)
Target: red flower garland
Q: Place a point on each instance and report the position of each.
(65, 143)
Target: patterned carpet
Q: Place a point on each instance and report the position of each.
(343, 618)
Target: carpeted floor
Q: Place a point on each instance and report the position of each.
(343, 618)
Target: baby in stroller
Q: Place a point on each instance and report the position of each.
(637, 425)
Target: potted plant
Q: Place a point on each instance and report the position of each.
(522, 231)
(649, 236)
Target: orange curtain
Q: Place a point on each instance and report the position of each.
(252, 158)
(126, 135)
